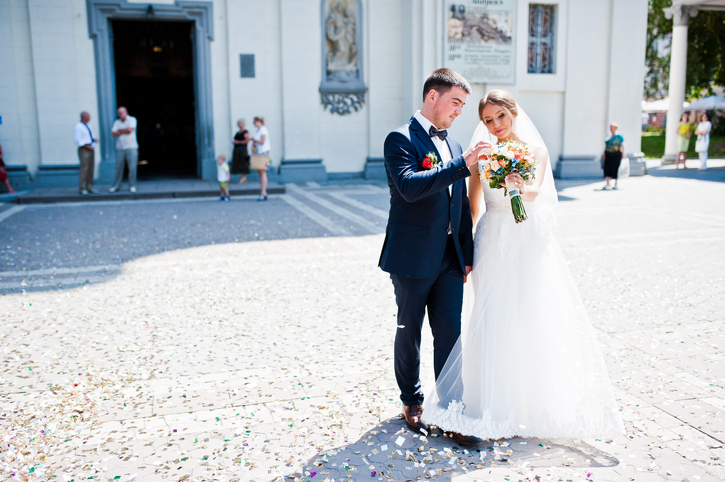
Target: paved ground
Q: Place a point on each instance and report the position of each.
(189, 339)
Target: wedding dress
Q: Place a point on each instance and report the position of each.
(528, 362)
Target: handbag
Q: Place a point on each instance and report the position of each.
(259, 163)
(701, 144)
(623, 172)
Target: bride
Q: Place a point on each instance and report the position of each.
(528, 362)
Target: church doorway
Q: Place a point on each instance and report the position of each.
(153, 66)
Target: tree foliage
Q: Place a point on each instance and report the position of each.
(705, 52)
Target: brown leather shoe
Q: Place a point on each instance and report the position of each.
(464, 439)
(412, 416)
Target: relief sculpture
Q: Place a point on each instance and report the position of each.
(342, 49)
(342, 89)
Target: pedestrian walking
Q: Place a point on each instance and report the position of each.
(240, 154)
(83, 137)
(612, 157)
(124, 129)
(261, 148)
(684, 132)
(4, 173)
(703, 139)
(223, 176)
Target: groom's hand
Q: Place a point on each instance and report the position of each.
(468, 271)
(471, 154)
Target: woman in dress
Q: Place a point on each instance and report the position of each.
(261, 147)
(240, 155)
(684, 133)
(613, 155)
(703, 139)
(528, 362)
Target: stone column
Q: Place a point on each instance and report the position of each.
(678, 69)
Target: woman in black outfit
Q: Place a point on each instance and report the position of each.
(240, 156)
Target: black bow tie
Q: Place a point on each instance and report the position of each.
(442, 134)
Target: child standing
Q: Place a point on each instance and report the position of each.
(222, 175)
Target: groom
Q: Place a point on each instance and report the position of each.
(428, 248)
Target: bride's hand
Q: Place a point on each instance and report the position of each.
(515, 179)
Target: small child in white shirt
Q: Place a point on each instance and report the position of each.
(223, 176)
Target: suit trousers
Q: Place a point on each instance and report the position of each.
(442, 296)
(126, 156)
(85, 175)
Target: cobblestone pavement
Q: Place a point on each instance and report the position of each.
(197, 340)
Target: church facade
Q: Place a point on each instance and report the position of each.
(330, 77)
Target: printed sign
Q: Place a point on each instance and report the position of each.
(479, 40)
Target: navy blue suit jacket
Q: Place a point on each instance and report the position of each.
(421, 207)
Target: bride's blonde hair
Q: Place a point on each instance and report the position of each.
(498, 97)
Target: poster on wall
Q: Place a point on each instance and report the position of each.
(479, 40)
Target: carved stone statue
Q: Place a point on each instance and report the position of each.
(342, 54)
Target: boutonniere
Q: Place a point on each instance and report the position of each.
(431, 160)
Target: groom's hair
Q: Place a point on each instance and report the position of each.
(443, 80)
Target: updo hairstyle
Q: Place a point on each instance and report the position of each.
(498, 97)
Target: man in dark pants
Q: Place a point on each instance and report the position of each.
(428, 247)
(83, 137)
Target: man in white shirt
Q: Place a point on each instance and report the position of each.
(83, 137)
(124, 129)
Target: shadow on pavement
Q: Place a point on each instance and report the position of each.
(712, 174)
(392, 452)
(67, 245)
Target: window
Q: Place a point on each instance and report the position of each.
(542, 45)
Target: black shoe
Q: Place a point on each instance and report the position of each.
(412, 416)
(464, 439)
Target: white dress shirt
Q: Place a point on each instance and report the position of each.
(82, 135)
(125, 141)
(440, 144)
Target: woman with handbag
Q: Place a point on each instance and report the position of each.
(260, 155)
(612, 157)
(703, 139)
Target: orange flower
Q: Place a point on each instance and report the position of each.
(487, 174)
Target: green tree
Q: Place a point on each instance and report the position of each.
(705, 52)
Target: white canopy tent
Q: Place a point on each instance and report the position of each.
(680, 12)
(707, 103)
(662, 105)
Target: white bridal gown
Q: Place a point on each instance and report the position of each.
(528, 362)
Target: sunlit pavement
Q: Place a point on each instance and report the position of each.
(198, 340)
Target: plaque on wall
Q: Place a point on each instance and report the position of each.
(479, 40)
(342, 88)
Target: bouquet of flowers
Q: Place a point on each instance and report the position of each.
(501, 160)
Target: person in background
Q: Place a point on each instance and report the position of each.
(4, 173)
(261, 147)
(613, 155)
(124, 128)
(83, 137)
(223, 176)
(703, 139)
(645, 121)
(684, 132)
(240, 155)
